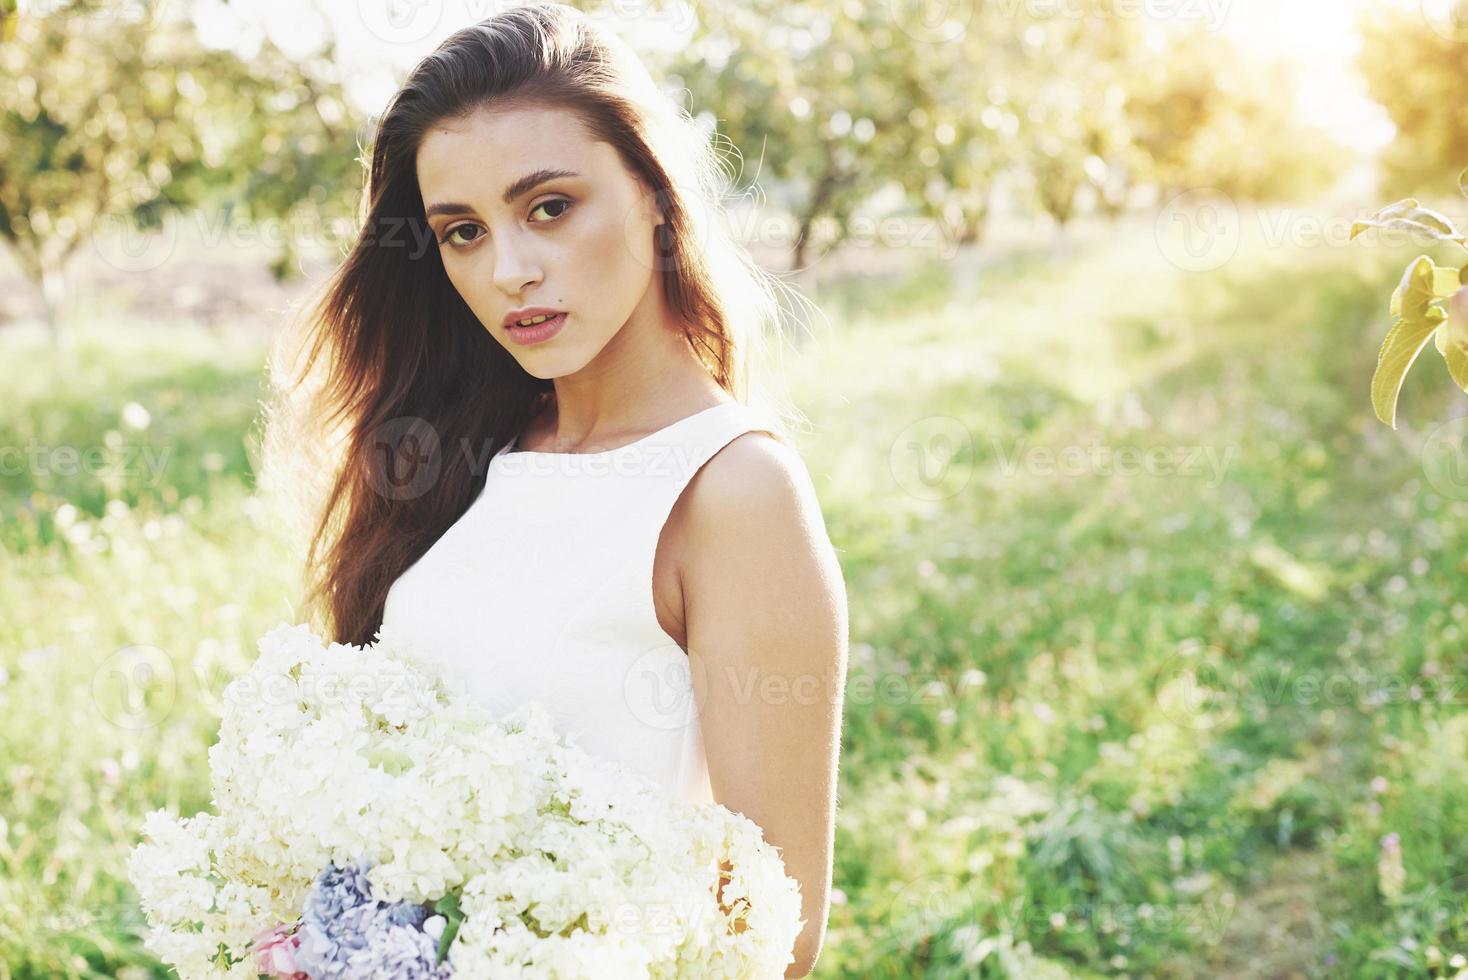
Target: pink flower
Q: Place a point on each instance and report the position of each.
(274, 950)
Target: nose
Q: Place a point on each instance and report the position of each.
(515, 267)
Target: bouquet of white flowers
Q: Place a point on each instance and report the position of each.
(372, 821)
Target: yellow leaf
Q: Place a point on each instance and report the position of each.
(1403, 343)
(1415, 292)
(1407, 215)
(1445, 281)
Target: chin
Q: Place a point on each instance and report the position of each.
(548, 369)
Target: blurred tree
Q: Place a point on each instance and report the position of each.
(116, 111)
(1415, 66)
(300, 161)
(1114, 163)
(88, 127)
(1205, 115)
(964, 133)
(822, 96)
(1071, 74)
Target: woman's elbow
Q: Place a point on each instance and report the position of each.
(800, 968)
(805, 959)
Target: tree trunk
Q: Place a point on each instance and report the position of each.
(819, 197)
(975, 221)
(802, 234)
(53, 297)
(1060, 244)
(797, 258)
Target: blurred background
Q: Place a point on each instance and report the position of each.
(1158, 636)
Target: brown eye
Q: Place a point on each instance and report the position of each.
(565, 205)
(448, 236)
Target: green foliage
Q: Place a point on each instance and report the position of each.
(1053, 781)
(448, 907)
(128, 598)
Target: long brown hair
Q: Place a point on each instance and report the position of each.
(390, 393)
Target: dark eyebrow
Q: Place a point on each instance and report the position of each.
(524, 185)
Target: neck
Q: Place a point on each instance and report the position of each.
(646, 377)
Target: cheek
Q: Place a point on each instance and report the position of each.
(474, 289)
(618, 248)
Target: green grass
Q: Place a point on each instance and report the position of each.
(1099, 721)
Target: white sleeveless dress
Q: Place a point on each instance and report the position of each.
(542, 590)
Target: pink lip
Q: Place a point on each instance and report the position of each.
(539, 333)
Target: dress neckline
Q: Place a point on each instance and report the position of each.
(512, 447)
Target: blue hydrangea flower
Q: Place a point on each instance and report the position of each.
(346, 934)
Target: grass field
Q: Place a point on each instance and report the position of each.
(1156, 632)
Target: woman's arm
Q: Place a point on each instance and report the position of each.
(765, 608)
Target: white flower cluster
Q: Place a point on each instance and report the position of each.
(565, 865)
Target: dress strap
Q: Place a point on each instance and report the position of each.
(692, 448)
(660, 469)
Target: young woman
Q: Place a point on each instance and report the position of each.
(548, 470)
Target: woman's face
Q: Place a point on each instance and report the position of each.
(580, 242)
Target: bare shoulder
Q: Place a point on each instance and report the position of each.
(756, 477)
(752, 523)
